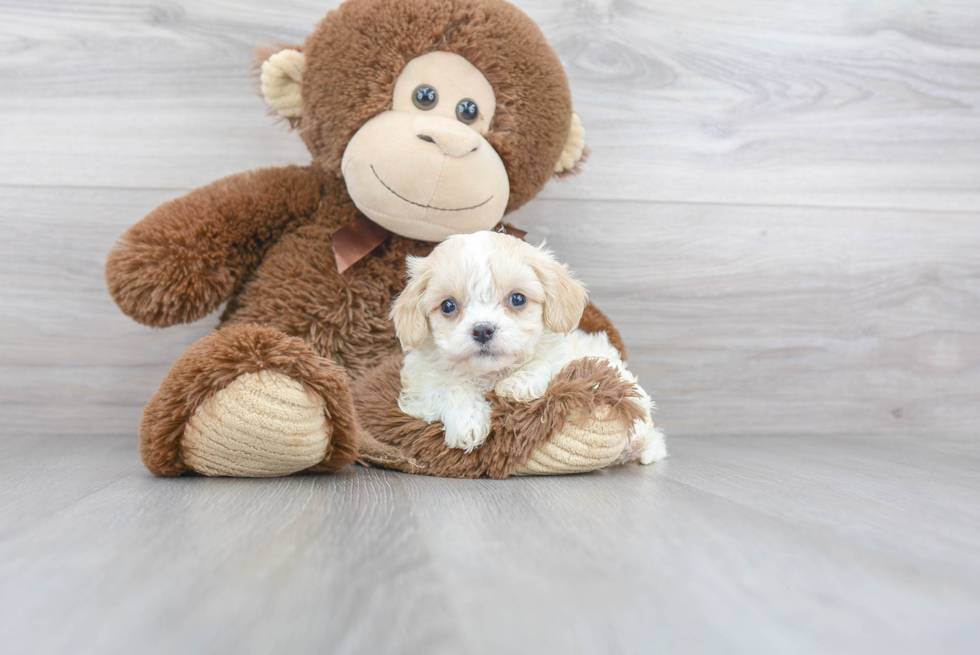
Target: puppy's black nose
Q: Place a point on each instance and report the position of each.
(483, 332)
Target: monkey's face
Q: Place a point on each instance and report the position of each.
(440, 116)
(424, 169)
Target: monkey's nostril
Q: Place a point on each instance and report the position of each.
(426, 137)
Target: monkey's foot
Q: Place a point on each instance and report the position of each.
(582, 444)
(263, 424)
(250, 401)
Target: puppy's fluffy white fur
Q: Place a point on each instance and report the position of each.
(529, 303)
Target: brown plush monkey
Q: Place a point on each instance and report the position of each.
(425, 118)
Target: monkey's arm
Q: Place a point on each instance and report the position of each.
(191, 254)
(594, 321)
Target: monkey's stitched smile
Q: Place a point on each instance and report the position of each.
(417, 204)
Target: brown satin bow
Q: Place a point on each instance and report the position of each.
(358, 238)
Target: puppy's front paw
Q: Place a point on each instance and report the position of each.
(522, 387)
(468, 429)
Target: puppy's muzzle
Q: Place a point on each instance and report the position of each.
(483, 332)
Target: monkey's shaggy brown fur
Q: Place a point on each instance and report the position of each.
(191, 254)
(357, 52)
(414, 446)
(262, 241)
(214, 362)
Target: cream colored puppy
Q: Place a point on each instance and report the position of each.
(489, 311)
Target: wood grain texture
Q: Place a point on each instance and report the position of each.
(739, 319)
(732, 545)
(748, 320)
(831, 102)
(781, 212)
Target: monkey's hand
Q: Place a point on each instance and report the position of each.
(191, 254)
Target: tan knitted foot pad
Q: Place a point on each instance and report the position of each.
(579, 448)
(261, 425)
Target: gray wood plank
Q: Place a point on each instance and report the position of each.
(739, 320)
(780, 212)
(843, 104)
(161, 568)
(742, 320)
(732, 545)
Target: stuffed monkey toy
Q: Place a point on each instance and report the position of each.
(424, 118)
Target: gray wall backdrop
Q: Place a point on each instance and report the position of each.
(781, 210)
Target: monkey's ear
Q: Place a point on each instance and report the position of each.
(574, 152)
(282, 82)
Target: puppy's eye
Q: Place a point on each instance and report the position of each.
(448, 307)
(517, 300)
(425, 97)
(467, 111)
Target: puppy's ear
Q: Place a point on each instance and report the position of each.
(411, 324)
(564, 296)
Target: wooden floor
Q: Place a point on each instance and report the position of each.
(732, 545)
(782, 214)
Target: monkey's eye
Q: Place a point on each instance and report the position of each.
(467, 111)
(517, 300)
(448, 307)
(425, 97)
